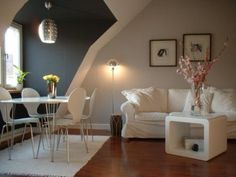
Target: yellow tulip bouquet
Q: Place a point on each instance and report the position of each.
(51, 78)
(52, 81)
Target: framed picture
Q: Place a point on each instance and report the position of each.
(197, 46)
(163, 53)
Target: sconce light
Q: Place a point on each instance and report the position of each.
(48, 29)
(113, 64)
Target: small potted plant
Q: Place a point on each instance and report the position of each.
(20, 77)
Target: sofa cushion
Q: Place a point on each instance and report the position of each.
(223, 100)
(206, 100)
(151, 116)
(176, 99)
(146, 100)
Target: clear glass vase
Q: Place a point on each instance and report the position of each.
(196, 90)
(52, 90)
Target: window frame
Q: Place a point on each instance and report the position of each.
(3, 61)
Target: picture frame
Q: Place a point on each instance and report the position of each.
(197, 46)
(163, 53)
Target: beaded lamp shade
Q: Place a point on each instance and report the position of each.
(48, 31)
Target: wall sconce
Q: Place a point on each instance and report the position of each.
(112, 63)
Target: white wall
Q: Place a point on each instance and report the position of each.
(162, 19)
(8, 10)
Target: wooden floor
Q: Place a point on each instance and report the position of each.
(147, 158)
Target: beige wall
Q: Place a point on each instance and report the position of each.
(163, 19)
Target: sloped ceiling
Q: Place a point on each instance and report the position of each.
(123, 10)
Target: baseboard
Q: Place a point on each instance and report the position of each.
(95, 126)
(101, 126)
(18, 132)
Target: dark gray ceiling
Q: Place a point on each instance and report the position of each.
(65, 10)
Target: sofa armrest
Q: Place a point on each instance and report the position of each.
(129, 111)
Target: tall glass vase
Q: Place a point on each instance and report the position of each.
(196, 89)
(52, 90)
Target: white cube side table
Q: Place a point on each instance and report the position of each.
(178, 126)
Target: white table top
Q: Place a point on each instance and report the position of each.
(188, 115)
(58, 99)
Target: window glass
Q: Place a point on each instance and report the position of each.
(12, 54)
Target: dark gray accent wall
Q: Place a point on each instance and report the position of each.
(62, 58)
(80, 23)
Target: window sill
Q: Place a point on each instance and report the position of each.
(13, 91)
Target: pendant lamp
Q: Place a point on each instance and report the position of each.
(48, 29)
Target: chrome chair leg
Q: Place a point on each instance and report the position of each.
(47, 128)
(82, 131)
(3, 127)
(12, 135)
(40, 139)
(58, 137)
(64, 135)
(32, 139)
(8, 141)
(87, 131)
(23, 136)
(67, 146)
(91, 129)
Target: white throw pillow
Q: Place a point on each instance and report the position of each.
(145, 100)
(176, 99)
(224, 100)
(206, 101)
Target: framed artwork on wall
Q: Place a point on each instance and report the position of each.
(197, 46)
(162, 52)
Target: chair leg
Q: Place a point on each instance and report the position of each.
(3, 127)
(42, 130)
(91, 128)
(82, 131)
(86, 125)
(47, 128)
(64, 135)
(32, 139)
(23, 136)
(58, 137)
(12, 135)
(81, 136)
(40, 139)
(67, 146)
(8, 142)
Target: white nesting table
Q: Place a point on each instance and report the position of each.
(178, 127)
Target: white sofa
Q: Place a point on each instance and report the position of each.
(145, 110)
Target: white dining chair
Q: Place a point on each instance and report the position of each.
(32, 109)
(9, 120)
(75, 107)
(88, 117)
